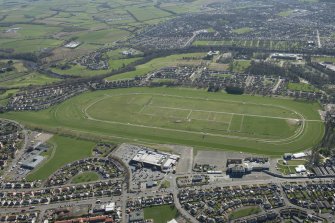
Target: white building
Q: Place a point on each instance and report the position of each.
(162, 161)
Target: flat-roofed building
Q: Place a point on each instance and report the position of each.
(152, 159)
(32, 162)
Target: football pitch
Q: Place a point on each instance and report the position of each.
(187, 116)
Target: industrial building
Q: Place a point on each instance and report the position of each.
(32, 162)
(33, 156)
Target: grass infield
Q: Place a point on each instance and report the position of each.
(190, 117)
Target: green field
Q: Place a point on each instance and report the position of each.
(82, 71)
(49, 24)
(302, 87)
(85, 177)
(290, 165)
(262, 44)
(185, 116)
(161, 214)
(240, 65)
(22, 76)
(286, 13)
(157, 63)
(66, 150)
(243, 212)
(242, 30)
(324, 59)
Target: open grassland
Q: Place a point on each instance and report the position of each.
(101, 36)
(147, 13)
(22, 76)
(161, 214)
(82, 71)
(185, 116)
(32, 78)
(30, 45)
(66, 150)
(157, 63)
(31, 26)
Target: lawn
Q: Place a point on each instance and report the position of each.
(289, 167)
(161, 214)
(286, 13)
(165, 184)
(66, 151)
(302, 87)
(85, 177)
(296, 162)
(285, 169)
(242, 30)
(243, 212)
(184, 116)
(240, 65)
(324, 59)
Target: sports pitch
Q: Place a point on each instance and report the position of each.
(187, 116)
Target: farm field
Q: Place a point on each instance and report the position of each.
(185, 116)
(39, 25)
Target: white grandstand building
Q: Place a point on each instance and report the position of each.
(162, 161)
